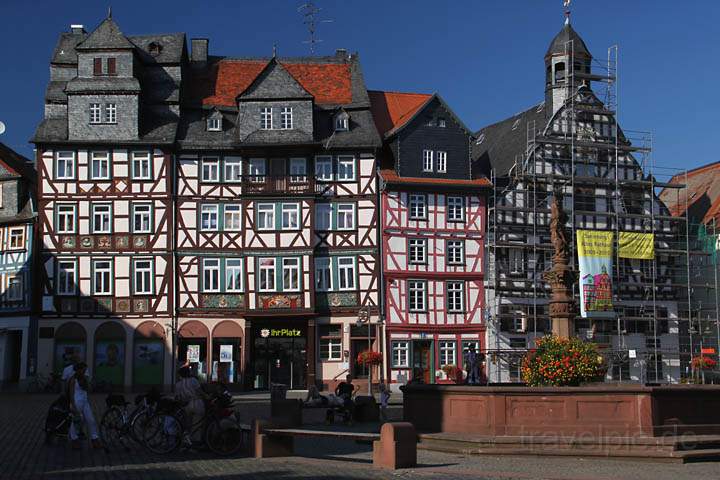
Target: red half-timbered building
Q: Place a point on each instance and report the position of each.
(433, 234)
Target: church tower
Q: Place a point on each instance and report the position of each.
(566, 51)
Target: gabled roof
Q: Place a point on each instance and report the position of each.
(12, 164)
(107, 36)
(392, 110)
(274, 82)
(330, 83)
(700, 194)
(566, 34)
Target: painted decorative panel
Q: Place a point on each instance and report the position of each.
(336, 299)
(280, 300)
(222, 301)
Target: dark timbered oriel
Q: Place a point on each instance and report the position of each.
(433, 237)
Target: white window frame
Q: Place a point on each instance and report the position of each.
(417, 251)
(214, 124)
(101, 159)
(110, 113)
(347, 272)
(233, 274)
(144, 211)
(212, 172)
(16, 242)
(415, 206)
(15, 287)
(455, 210)
(143, 276)
(266, 118)
(286, 118)
(106, 277)
(323, 274)
(515, 261)
(342, 122)
(107, 214)
(330, 347)
(211, 275)
(324, 168)
(447, 350)
(441, 158)
(323, 217)
(66, 159)
(452, 246)
(417, 296)
(268, 210)
(64, 215)
(70, 279)
(209, 212)
(345, 211)
(257, 170)
(291, 272)
(96, 113)
(290, 216)
(428, 160)
(298, 170)
(455, 295)
(266, 274)
(232, 169)
(342, 171)
(400, 353)
(232, 217)
(142, 166)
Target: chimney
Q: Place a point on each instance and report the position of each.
(199, 52)
(341, 53)
(77, 29)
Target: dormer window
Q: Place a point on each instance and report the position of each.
(214, 124)
(342, 122)
(104, 66)
(266, 122)
(441, 122)
(155, 49)
(286, 118)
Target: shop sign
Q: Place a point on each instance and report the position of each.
(226, 353)
(193, 353)
(280, 332)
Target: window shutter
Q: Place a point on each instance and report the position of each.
(111, 66)
(97, 66)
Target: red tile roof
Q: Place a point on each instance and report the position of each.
(701, 185)
(391, 176)
(329, 83)
(392, 110)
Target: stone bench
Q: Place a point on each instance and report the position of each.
(394, 447)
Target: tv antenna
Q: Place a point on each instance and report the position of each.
(310, 13)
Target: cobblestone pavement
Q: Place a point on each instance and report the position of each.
(24, 456)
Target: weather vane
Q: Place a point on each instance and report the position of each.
(310, 12)
(566, 4)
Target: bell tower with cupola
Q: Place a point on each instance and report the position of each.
(566, 60)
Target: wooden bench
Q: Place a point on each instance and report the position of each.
(394, 447)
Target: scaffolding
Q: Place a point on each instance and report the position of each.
(609, 182)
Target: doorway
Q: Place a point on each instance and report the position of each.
(280, 359)
(12, 358)
(422, 360)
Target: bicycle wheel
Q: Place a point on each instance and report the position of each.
(163, 433)
(223, 437)
(138, 422)
(112, 428)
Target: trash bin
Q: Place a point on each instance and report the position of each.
(278, 391)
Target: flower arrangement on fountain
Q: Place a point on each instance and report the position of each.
(451, 371)
(703, 363)
(559, 361)
(369, 358)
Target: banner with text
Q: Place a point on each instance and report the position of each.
(595, 258)
(636, 245)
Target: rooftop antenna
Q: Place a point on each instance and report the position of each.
(109, 12)
(566, 4)
(310, 13)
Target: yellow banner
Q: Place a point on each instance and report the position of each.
(636, 245)
(594, 243)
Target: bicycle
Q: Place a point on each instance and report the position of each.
(44, 384)
(222, 434)
(119, 424)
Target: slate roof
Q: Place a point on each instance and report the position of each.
(172, 48)
(498, 145)
(103, 85)
(392, 110)
(107, 36)
(64, 53)
(567, 33)
(12, 164)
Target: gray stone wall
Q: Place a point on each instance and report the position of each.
(64, 73)
(55, 110)
(124, 63)
(79, 127)
(249, 118)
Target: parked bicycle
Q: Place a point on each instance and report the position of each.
(120, 426)
(40, 383)
(166, 430)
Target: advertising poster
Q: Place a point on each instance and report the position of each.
(595, 257)
(636, 245)
(226, 353)
(110, 361)
(193, 353)
(148, 362)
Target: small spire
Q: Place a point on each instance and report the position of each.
(109, 12)
(274, 50)
(566, 4)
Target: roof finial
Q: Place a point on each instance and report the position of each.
(274, 50)
(109, 12)
(566, 4)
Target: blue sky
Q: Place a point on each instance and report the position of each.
(484, 57)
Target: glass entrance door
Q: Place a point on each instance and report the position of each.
(280, 360)
(422, 360)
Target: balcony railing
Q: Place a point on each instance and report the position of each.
(278, 184)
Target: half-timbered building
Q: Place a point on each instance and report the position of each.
(17, 234)
(433, 237)
(104, 160)
(276, 218)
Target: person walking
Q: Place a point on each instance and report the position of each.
(189, 391)
(78, 387)
(384, 400)
(472, 365)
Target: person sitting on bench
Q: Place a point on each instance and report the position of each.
(315, 398)
(345, 391)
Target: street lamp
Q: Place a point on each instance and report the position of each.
(364, 319)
